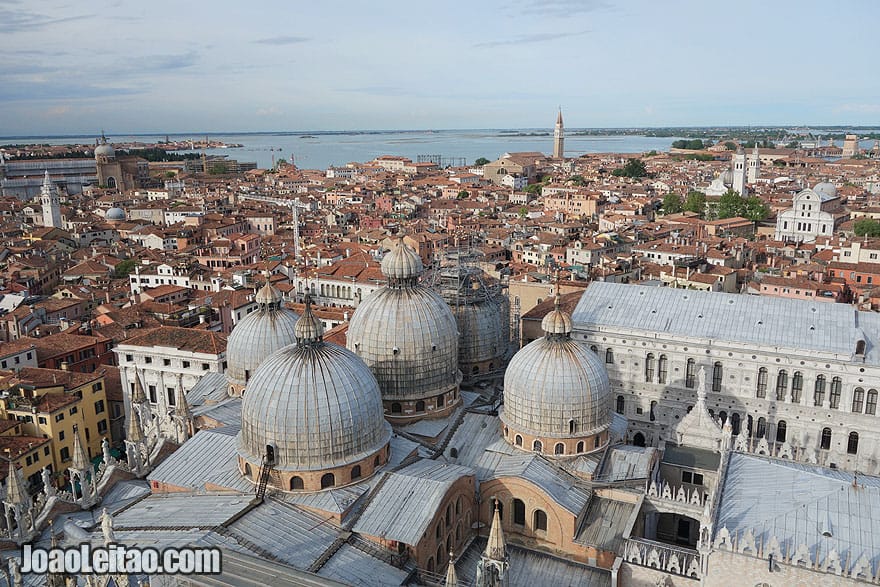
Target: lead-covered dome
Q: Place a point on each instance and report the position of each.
(114, 214)
(826, 189)
(319, 407)
(259, 334)
(408, 336)
(556, 391)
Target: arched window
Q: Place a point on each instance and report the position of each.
(852, 445)
(328, 480)
(517, 440)
(247, 470)
(860, 347)
(458, 506)
(540, 520)
(734, 423)
(594, 348)
(858, 400)
(500, 505)
(649, 368)
(559, 449)
(781, 384)
(825, 444)
(834, 398)
(780, 431)
(537, 446)
(609, 355)
(458, 534)
(453, 452)
(761, 389)
(441, 400)
(355, 472)
(797, 387)
(296, 483)
(662, 369)
(690, 374)
(438, 530)
(420, 406)
(819, 391)
(639, 439)
(519, 512)
(580, 447)
(621, 404)
(572, 426)
(717, 376)
(652, 415)
(761, 428)
(448, 515)
(431, 565)
(395, 408)
(871, 404)
(377, 461)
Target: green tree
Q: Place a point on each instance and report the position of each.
(695, 202)
(694, 144)
(523, 212)
(730, 205)
(672, 203)
(755, 209)
(534, 189)
(123, 268)
(634, 168)
(578, 180)
(462, 195)
(866, 226)
(731, 146)
(481, 161)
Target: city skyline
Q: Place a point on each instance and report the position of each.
(219, 67)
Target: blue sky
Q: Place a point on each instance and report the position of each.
(170, 66)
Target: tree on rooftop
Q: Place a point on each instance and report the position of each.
(481, 161)
(634, 168)
(866, 226)
(672, 203)
(578, 180)
(462, 194)
(695, 202)
(730, 205)
(755, 209)
(123, 268)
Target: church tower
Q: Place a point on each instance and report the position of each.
(754, 165)
(49, 203)
(559, 138)
(739, 172)
(494, 562)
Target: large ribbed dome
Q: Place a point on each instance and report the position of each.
(258, 335)
(317, 403)
(407, 334)
(555, 386)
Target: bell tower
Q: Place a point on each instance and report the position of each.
(559, 138)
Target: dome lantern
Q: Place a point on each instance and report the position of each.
(402, 265)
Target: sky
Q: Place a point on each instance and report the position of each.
(163, 66)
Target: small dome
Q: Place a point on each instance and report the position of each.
(308, 328)
(826, 189)
(258, 335)
(557, 321)
(114, 214)
(727, 177)
(268, 295)
(555, 386)
(104, 150)
(402, 262)
(317, 403)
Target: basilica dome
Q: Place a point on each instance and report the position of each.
(556, 393)
(114, 214)
(105, 150)
(826, 189)
(319, 407)
(258, 335)
(408, 336)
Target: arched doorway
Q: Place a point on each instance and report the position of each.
(639, 439)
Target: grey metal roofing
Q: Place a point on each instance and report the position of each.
(123, 493)
(559, 485)
(353, 566)
(551, 382)
(431, 427)
(180, 510)
(207, 455)
(405, 505)
(529, 568)
(293, 535)
(605, 523)
(246, 570)
(625, 461)
(686, 456)
(211, 387)
(756, 320)
(794, 502)
(227, 411)
(318, 404)
(337, 500)
(474, 435)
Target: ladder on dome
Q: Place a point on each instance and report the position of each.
(265, 471)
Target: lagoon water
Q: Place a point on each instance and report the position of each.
(320, 149)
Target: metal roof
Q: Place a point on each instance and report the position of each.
(625, 462)
(207, 455)
(605, 523)
(180, 510)
(715, 316)
(408, 500)
(687, 456)
(795, 502)
(559, 485)
(353, 566)
(211, 387)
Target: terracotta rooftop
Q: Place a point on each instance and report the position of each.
(184, 339)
